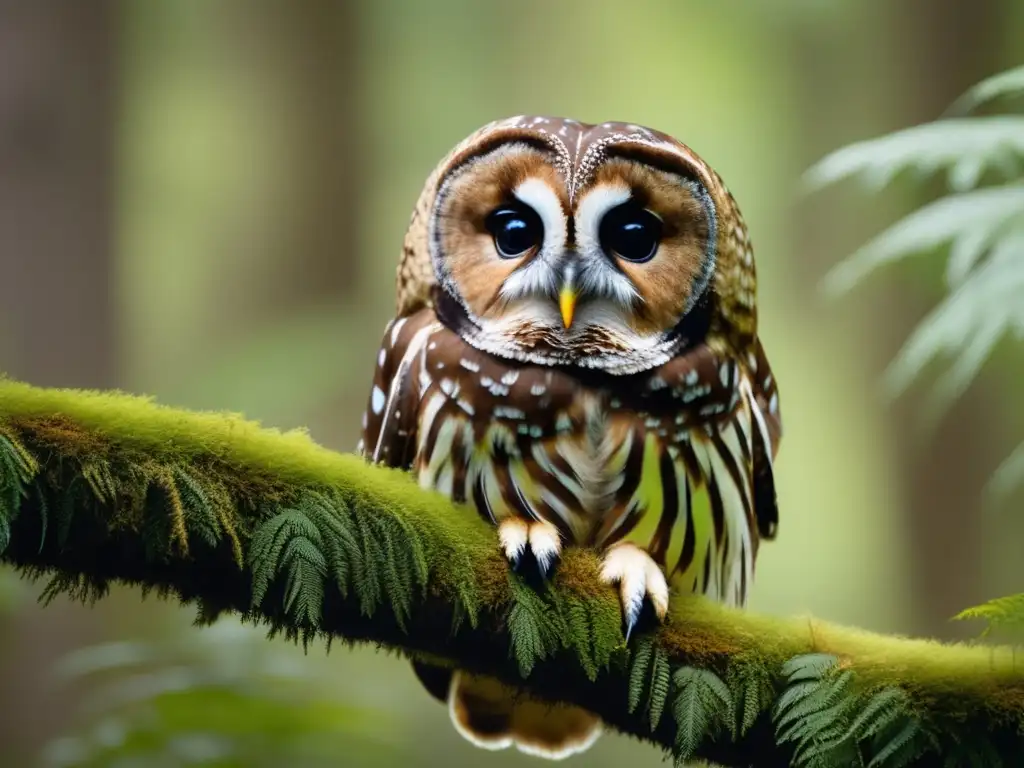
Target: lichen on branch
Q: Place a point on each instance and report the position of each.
(216, 511)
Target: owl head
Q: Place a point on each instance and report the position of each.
(550, 241)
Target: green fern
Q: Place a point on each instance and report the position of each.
(398, 567)
(811, 712)
(535, 631)
(964, 147)
(810, 667)
(753, 692)
(368, 582)
(639, 670)
(17, 469)
(878, 713)
(97, 475)
(899, 744)
(1008, 83)
(307, 570)
(341, 548)
(829, 722)
(200, 517)
(290, 544)
(650, 679)
(701, 706)
(415, 555)
(979, 227)
(1002, 612)
(581, 635)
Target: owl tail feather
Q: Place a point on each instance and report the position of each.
(493, 715)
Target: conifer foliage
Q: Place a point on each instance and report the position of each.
(217, 512)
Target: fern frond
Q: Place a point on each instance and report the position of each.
(581, 634)
(984, 232)
(817, 699)
(753, 693)
(970, 221)
(639, 669)
(368, 583)
(650, 679)
(808, 666)
(97, 476)
(898, 746)
(968, 323)
(397, 568)
(701, 706)
(290, 543)
(419, 570)
(879, 712)
(658, 686)
(813, 711)
(306, 572)
(1010, 82)
(173, 510)
(340, 546)
(534, 630)
(17, 468)
(200, 517)
(1000, 612)
(964, 146)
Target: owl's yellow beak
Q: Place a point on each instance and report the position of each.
(567, 303)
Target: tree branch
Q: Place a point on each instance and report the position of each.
(216, 511)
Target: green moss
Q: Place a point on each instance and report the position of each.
(218, 512)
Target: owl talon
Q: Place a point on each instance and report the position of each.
(639, 579)
(540, 539)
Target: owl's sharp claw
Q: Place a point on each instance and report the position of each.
(541, 539)
(639, 578)
(546, 545)
(513, 534)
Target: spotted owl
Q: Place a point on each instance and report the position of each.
(575, 355)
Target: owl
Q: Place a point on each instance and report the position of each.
(575, 355)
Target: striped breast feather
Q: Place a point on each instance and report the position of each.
(695, 496)
(490, 431)
(477, 428)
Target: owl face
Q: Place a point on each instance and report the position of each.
(560, 243)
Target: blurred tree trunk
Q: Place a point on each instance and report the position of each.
(57, 102)
(939, 48)
(309, 48)
(56, 109)
(251, 227)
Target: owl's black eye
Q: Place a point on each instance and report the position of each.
(630, 232)
(516, 229)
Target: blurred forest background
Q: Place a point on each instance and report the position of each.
(205, 201)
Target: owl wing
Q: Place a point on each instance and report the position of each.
(697, 492)
(766, 436)
(390, 420)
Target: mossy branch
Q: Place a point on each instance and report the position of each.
(214, 510)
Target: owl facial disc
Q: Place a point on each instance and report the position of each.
(559, 243)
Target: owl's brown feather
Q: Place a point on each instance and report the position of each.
(581, 449)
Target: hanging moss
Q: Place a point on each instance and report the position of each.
(218, 512)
